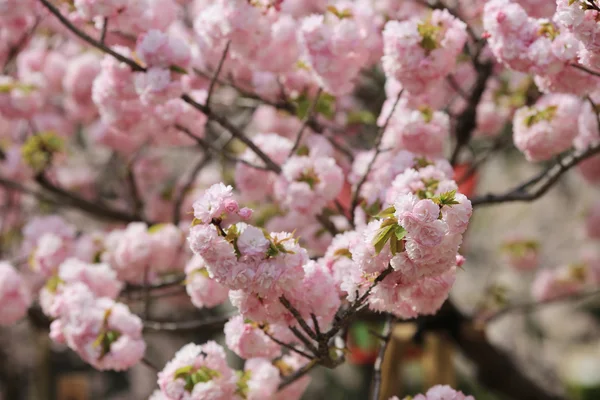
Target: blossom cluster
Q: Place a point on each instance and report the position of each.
(201, 372)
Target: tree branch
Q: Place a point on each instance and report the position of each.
(377, 148)
(202, 162)
(305, 122)
(550, 176)
(90, 40)
(385, 339)
(192, 325)
(530, 306)
(213, 81)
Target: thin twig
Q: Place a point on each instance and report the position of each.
(213, 81)
(386, 336)
(298, 317)
(202, 162)
(138, 204)
(234, 132)
(527, 307)
(288, 380)
(287, 345)
(206, 145)
(316, 324)
(377, 148)
(307, 118)
(90, 40)
(16, 49)
(209, 322)
(467, 120)
(104, 28)
(150, 364)
(551, 175)
(584, 69)
(305, 341)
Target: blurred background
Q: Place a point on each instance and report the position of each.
(555, 343)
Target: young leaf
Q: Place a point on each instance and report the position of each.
(382, 236)
(400, 232)
(388, 212)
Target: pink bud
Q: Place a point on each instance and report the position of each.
(231, 206)
(245, 213)
(460, 260)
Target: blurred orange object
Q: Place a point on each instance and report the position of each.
(466, 179)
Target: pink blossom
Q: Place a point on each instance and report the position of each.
(14, 295)
(157, 49)
(307, 184)
(546, 129)
(247, 340)
(564, 281)
(264, 378)
(334, 50)
(209, 359)
(51, 250)
(203, 291)
(418, 53)
(420, 131)
(129, 252)
(443, 392)
(100, 279)
(104, 333)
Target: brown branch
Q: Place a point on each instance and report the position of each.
(180, 196)
(103, 32)
(16, 49)
(288, 380)
(90, 40)
(298, 317)
(550, 176)
(377, 148)
(73, 200)
(530, 306)
(584, 69)
(213, 81)
(191, 325)
(385, 340)
(305, 122)
(206, 145)
(234, 131)
(467, 120)
(287, 345)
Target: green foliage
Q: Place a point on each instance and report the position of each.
(37, 151)
(325, 105)
(429, 36)
(536, 116)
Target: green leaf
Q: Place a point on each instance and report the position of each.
(429, 35)
(382, 236)
(53, 282)
(536, 116)
(325, 105)
(446, 199)
(341, 14)
(400, 232)
(155, 228)
(361, 117)
(38, 149)
(342, 253)
(394, 245)
(183, 371)
(196, 221)
(388, 212)
(388, 222)
(178, 69)
(242, 383)
(427, 113)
